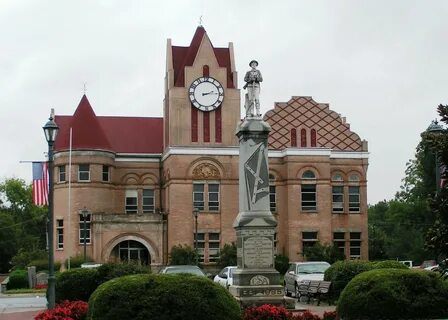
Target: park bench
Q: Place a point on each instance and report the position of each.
(314, 289)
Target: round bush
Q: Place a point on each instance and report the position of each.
(341, 272)
(162, 297)
(110, 271)
(388, 264)
(281, 263)
(394, 294)
(76, 284)
(18, 279)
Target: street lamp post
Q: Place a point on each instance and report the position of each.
(51, 131)
(436, 128)
(195, 214)
(85, 213)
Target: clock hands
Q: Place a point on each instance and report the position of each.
(207, 93)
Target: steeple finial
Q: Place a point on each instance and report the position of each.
(85, 87)
(200, 21)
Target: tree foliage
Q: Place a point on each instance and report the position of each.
(22, 224)
(227, 256)
(181, 255)
(323, 252)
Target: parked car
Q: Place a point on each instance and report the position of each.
(428, 263)
(184, 269)
(225, 276)
(408, 263)
(303, 271)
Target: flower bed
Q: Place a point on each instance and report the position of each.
(66, 310)
(270, 312)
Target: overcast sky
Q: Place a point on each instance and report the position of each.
(381, 64)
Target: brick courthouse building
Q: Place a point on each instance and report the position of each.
(140, 178)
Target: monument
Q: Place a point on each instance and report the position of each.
(256, 281)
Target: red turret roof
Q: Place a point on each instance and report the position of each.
(116, 134)
(184, 56)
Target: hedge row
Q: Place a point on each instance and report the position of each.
(18, 279)
(79, 283)
(341, 272)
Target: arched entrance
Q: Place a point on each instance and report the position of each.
(131, 251)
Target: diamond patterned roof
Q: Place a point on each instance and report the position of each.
(304, 112)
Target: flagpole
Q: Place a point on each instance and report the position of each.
(70, 233)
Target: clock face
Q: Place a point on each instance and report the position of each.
(206, 93)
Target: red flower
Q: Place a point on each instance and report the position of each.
(66, 310)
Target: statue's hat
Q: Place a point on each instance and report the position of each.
(252, 62)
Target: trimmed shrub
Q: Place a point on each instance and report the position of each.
(281, 263)
(79, 283)
(388, 264)
(340, 273)
(163, 297)
(76, 284)
(42, 265)
(77, 261)
(394, 294)
(18, 279)
(110, 271)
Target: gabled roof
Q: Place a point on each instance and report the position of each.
(116, 134)
(184, 56)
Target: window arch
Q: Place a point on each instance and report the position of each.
(308, 174)
(303, 138)
(354, 178)
(337, 177)
(293, 137)
(313, 137)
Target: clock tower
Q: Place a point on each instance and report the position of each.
(202, 102)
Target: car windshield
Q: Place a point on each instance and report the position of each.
(313, 268)
(190, 270)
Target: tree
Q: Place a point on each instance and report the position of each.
(227, 256)
(23, 225)
(323, 252)
(181, 255)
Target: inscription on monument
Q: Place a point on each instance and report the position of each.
(258, 252)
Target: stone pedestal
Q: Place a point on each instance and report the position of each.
(256, 281)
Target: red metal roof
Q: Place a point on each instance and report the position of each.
(116, 134)
(184, 56)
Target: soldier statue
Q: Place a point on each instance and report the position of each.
(252, 102)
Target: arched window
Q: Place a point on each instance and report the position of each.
(309, 192)
(205, 71)
(337, 193)
(354, 197)
(293, 138)
(303, 138)
(313, 137)
(272, 193)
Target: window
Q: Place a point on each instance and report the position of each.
(206, 193)
(84, 229)
(272, 198)
(309, 195)
(309, 239)
(198, 196)
(293, 138)
(308, 175)
(213, 247)
(213, 197)
(337, 178)
(355, 245)
(131, 201)
(339, 241)
(148, 200)
(201, 246)
(313, 138)
(353, 199)
(60, 234)
(303, 138)
(338, 199)
(106, 173)
(353, 178)
(84, 172)
(275, 242)
(61, 173)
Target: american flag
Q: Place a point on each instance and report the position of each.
(40, 183)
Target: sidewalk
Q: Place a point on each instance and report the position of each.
(21, 307)
(25, 315)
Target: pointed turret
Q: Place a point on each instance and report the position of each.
(86, 130)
